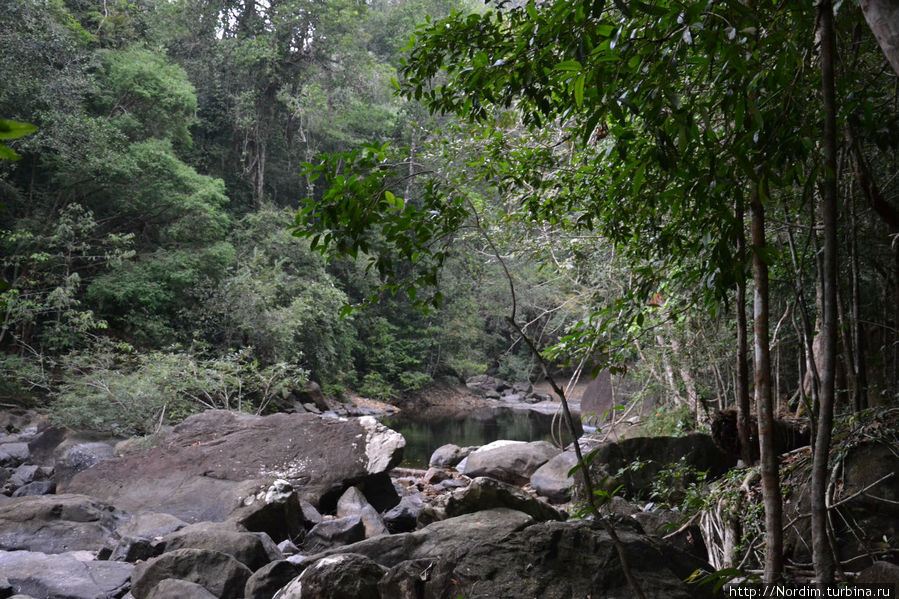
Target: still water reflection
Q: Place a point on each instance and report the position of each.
(424, 436)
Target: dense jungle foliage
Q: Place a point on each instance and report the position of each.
(146, 225)
(145, 243)
(198, 194)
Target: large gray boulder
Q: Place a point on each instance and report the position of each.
(550, 560)
(869, 499)
(150, 525)
(79, 458)
(277, 511)
(449, 455)
(141, 537)
(14, 453)
(219, 573)
(253, 550)
(662, 522)
(354, 503)
(29, 473)
(269, 579)
(617, 459)
(216, 461)
(404, 516)
(551, 480)
(335, 532)
(64, 575)
(450, 536)
(504, 553)
(513, 462)
(56, 523)
(341, 576)
(38, 487)
(172, 588)
(486, 493)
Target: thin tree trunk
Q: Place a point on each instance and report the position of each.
(259, 190)
(809, 381)
(742, 378)
(822, 556)
(763, 399)
(860, 370)
(669, 372)
(689, 385)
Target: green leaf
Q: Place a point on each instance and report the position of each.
(15, 129)
(568, 65)
(639, 178)
(579, 90)
(7, 153)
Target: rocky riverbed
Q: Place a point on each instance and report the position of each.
(304, 505)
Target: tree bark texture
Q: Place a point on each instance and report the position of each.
(883, 19)
(822, 556)
(763, 398)
(742, 381)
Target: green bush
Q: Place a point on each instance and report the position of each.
(23, 380)
(680, 485)
(374, 385)
(516, 367)
(116, 390)
(668, 421)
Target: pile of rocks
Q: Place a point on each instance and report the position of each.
(493, 388)
(297, 506)
(18, 477)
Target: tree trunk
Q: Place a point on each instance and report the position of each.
(822, 556)
(883, 19)
(763, 399)
(742, 381)
(669, 372)
(859, 366)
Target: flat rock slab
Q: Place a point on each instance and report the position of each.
(64, 575)
(214, 461)
(56, 523)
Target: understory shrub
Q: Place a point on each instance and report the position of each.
(668, 420)
(119, 391)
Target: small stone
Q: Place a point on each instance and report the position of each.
(38, 487)
(287, 547)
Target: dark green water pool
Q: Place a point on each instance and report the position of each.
(424, 436)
